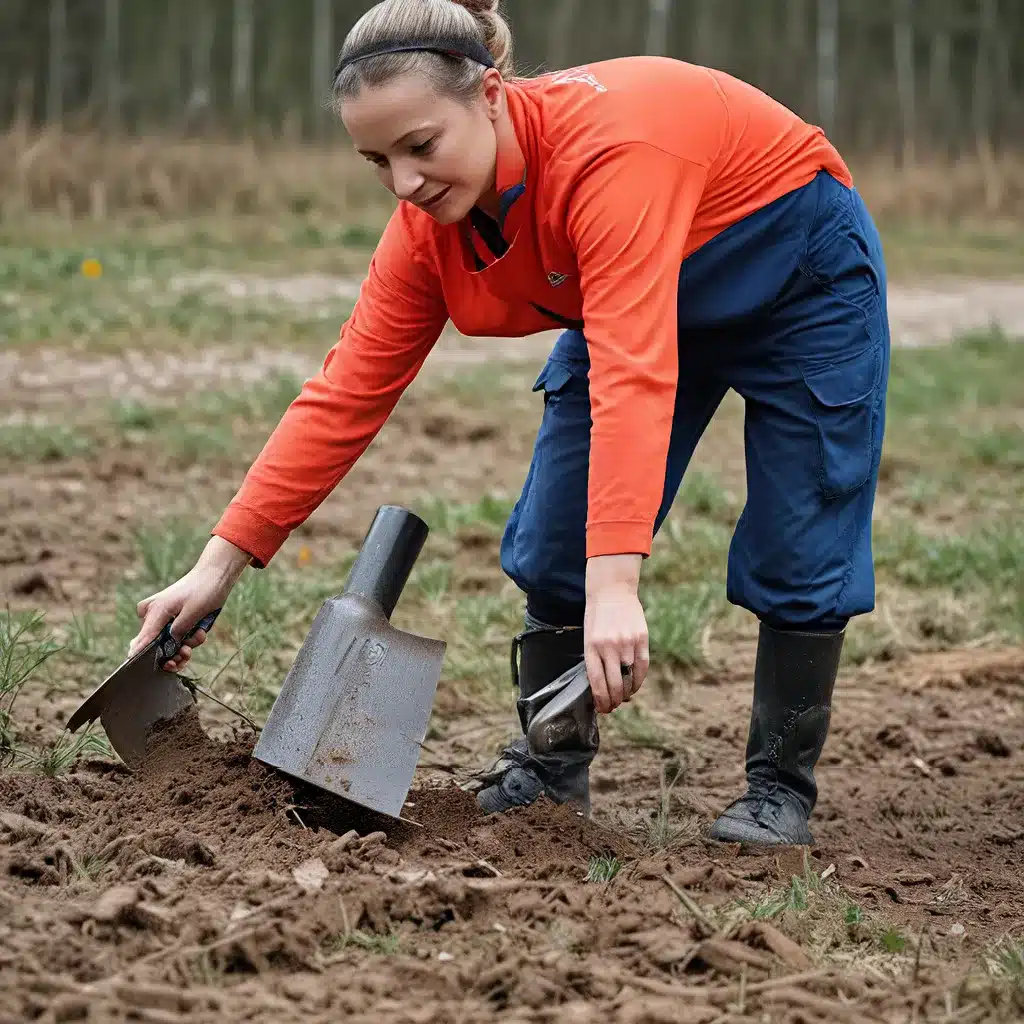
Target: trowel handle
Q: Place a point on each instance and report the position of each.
(387, 556)
(169, 645)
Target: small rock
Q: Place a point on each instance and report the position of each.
(311, 874)
(445, 958)
(240, 911)
(189, 847)
(992, 743)
(957, 930)
(30, 583)
(915, 878)
(115, 904)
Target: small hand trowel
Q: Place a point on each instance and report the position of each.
(138, 694)
(561, 715)
(353, 711)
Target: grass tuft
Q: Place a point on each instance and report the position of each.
(676, 619)
(65, 752)
(42, 443)
(25, 646)
(603, 868)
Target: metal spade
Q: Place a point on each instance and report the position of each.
(353, 710)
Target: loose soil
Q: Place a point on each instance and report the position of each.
(207, 887)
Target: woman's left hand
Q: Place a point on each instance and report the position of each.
(615, 631)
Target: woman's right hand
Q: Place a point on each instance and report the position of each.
(203, 589)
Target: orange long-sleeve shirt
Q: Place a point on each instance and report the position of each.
(619, 171)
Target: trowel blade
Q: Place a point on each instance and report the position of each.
(131, 701)
(561, 714)
(354, 708)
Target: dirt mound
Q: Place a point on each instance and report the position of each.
(206, 864)
(208, 887)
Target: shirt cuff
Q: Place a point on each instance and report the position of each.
(629, 537)
(248, 530)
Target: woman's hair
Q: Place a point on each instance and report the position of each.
(455, 24)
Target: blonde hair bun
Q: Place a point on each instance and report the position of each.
(470, 22)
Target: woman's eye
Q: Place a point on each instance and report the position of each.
(424, 147)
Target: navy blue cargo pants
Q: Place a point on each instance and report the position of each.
(787, 307)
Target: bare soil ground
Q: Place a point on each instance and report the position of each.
(205, 887)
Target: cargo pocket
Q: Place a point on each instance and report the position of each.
(561, 378)
(843, 402)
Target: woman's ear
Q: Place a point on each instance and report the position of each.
(493, 88)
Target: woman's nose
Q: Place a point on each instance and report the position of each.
(407, 181)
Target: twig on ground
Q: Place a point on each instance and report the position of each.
(690, 905)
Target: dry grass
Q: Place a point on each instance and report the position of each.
(88, 175)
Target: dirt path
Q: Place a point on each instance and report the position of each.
(920, 314)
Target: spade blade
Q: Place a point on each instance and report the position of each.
(353, 711)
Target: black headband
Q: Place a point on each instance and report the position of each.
(470, 49)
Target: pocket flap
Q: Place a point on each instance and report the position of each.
(553, 377)
(845, 383)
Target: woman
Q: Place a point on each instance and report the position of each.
(691, 235)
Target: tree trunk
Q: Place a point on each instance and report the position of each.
(941, 101)
(560, 34)
(657, 27)
(903, 52)
(200, 98)
(111, 63)
(322, 64)
(57, 61)
(241, 65)
(982, 106)
(828, 64)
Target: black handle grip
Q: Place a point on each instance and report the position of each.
(387, 556)
(168, 646)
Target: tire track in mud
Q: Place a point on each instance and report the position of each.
(920, 314)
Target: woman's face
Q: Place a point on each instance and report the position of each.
(432, 150)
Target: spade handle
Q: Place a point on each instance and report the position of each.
(387, 556)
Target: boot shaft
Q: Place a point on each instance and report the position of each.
(794, 678)
(540, 656)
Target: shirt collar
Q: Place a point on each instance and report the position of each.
(512, 170)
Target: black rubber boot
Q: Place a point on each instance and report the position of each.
(520, 776)
(793, 682)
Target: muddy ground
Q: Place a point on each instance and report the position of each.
(205, 887)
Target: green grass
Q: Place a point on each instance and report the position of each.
(42, 443)
(948, 544)
(212, 426)
(636, 727)
(25, 646)
(59, 757)
(603, 869)
(489, 511)
(913, 249)
(676, 617)
(1005, 963)
(145, 291)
